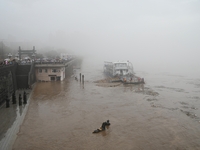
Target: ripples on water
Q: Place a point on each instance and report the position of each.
(162, 114)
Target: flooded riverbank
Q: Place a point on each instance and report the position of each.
(162, 114)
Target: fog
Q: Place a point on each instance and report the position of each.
(159, 35)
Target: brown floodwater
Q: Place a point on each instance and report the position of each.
(163, 114)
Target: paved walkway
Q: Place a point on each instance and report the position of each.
(11, 119)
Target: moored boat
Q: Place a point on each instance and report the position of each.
(123, 70)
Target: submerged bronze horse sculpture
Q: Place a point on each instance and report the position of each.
(103, 127)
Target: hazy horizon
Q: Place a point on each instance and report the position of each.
(153, 34)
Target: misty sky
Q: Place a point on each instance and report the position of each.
(165, 32)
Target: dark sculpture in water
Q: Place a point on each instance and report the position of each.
(25, 98)
(20, 100)
(7, 102)
(103, 127)
(14, 98)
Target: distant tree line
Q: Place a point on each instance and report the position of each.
(4, 51)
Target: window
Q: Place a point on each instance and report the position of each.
(54, 70)
(40, 70)
(45, 70)
(121, 65)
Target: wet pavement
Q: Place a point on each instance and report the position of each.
(11, 119)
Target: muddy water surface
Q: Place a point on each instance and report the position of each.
(162, 114)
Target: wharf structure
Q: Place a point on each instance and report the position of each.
(17, 75)
(53, 71)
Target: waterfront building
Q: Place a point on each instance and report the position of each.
(53, 70)
(50, 71)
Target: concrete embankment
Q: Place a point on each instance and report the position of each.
(11, 119)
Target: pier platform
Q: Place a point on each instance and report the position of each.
(11, 119)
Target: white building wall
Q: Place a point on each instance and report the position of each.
(42, 75)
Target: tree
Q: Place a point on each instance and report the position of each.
(4, 51)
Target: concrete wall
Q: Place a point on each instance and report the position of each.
(22, 75)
